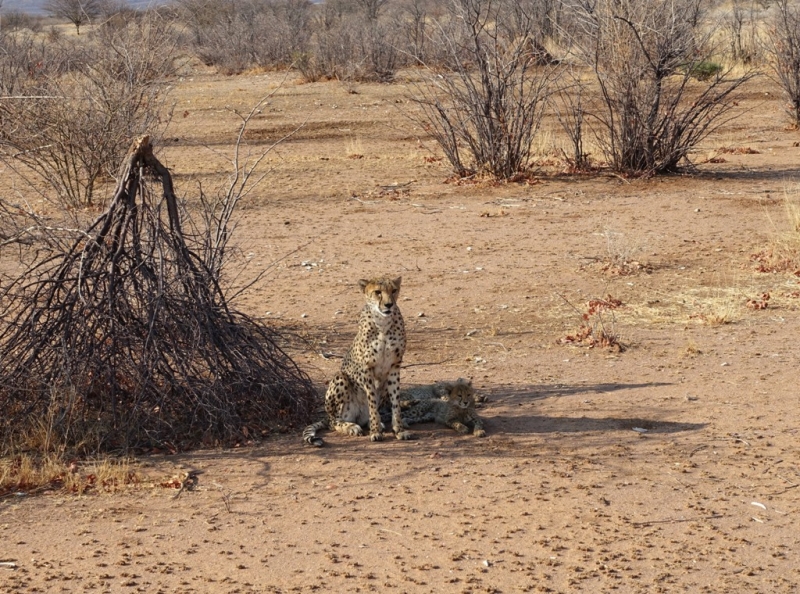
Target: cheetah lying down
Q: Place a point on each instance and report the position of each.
(446, 403)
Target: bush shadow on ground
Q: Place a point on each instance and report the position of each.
(592, 421)
(519, 394)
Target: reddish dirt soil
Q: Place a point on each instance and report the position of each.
(671, 466)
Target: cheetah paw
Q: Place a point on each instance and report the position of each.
(404, 435)
(355, 430)
(480, 433)
(376, 436)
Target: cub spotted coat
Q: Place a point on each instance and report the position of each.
(446, 403)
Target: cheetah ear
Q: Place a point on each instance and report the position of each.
(466, 382)
(397, 282)
(363, 283)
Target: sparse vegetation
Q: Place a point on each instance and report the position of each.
(672, 463)
(783, 253)
(30, 473)
(72, 108)
(782, 46)
(485, 106)
(641, 87)
(598, 327)
(645, 57)
(718, 306)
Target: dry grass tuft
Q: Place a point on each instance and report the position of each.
(783, 253)
(720, 307)
(691, 350)
(622, 255)
(29, 473)
(354, 149)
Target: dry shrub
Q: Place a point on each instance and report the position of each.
(484, 102)
(77, 12)
(75, 108)
(124, 338)
(349, 44)
(741, 22)
(571, 110)
(621, 255)
(15, 20)
(24, 58)
(647, 57)
(234, 36)
(782, 47)
(598, 325)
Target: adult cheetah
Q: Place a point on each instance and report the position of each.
(370, 371)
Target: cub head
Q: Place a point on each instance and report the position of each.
(381, 293)
(460, 393)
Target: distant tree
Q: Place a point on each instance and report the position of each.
(76, 12)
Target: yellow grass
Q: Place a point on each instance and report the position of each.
(30, 473)
(782, 254)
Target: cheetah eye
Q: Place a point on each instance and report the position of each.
(377, 293)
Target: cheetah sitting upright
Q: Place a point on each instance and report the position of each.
(370, 371)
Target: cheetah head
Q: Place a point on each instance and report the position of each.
(381, 293)
(460, 393)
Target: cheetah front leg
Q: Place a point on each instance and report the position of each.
(393, 387)
(458, 426)
(478, 430)
(373, 391)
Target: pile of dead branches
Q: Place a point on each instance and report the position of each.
(124, 338)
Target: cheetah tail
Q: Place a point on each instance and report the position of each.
(310, 434)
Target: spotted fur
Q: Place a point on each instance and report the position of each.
(370, 373)
(446, 403)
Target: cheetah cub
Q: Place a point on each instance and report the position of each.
(446, 403)
(370, 373)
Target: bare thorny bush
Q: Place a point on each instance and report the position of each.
(485, 105)
(352, 41)
(741, 29)
(237, 35)
(646, 58)
(349, 40)
(70, 108)
(782, 47)
(122, 335)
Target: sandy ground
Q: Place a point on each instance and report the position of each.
(669, 467)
